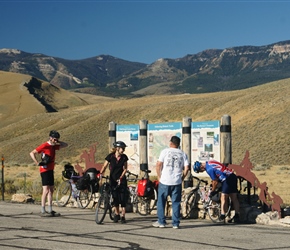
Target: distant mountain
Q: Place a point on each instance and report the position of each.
(211, 70)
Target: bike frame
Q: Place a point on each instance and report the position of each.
(210, 207)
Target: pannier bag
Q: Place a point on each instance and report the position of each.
(145, 188)
(155, 184)
(83, 183)
(96, 187)
(92, 173)
(216, 197)
(69, 171)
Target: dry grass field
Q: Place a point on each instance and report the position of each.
(259, 115)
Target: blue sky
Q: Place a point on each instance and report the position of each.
(139, 31)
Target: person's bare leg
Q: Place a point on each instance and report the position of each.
(123, 211)
(45, 191)
(224, 203)
(117, 210)
(49, 198)
(235, 202)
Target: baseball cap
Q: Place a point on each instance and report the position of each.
(175, 140)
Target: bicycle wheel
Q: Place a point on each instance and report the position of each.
(111, 207)
(214, 211)
(135, 203)
(102, 207)
(143, 206)
(85, 197)
(190, 204)
(63, 193)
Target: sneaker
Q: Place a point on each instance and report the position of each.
(175, 227)
(235, 220)
(46, 214)
(157, 224)
(54, 214)
(222, 217)
(123, 220)
(116, 218)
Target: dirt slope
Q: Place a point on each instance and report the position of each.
(260, 118)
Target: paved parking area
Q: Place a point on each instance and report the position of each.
(22, 228)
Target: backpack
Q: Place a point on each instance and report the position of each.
(145, 188)
(45, 159)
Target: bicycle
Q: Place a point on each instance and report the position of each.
(105, 202)
(68, 189)
(132, 190)
(88, 186)
(211, 206)
(145, 204)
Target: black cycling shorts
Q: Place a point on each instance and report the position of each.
(229, 185)
(120, 193)
(47, 178)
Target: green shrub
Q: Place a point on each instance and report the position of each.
(9, 186)
(284, 168)
(262, 167)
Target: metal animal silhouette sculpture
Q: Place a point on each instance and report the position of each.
(89, 159)
(244, 170)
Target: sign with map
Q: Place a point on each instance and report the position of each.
(130, 135)
(158, 138)
(205, 141)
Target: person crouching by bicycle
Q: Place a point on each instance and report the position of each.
(46, 168)
(220, 173)
(117, 162)
(171, 168)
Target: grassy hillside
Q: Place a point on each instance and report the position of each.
(260, 117)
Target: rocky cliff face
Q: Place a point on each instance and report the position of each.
(208, 71)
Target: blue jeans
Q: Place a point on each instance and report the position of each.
(175, 194)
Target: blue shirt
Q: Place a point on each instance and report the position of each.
(216, 170)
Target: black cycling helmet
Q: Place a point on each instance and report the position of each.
(119, 144)
(54, 134)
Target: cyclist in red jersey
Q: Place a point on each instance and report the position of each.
(46, 168)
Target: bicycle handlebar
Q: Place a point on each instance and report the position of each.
(200, 180)
(105, 177)
(128, 173)
(148, 171)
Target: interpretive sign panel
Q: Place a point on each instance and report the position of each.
(130, 135)
(158, 138)
(205, 141)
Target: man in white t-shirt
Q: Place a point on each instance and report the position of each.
(171, 168)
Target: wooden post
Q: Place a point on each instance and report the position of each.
(226, 140)
(112, 134)
(143, 145)
(2, 179)
(186, 147)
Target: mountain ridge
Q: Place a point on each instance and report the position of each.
(211, 70)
